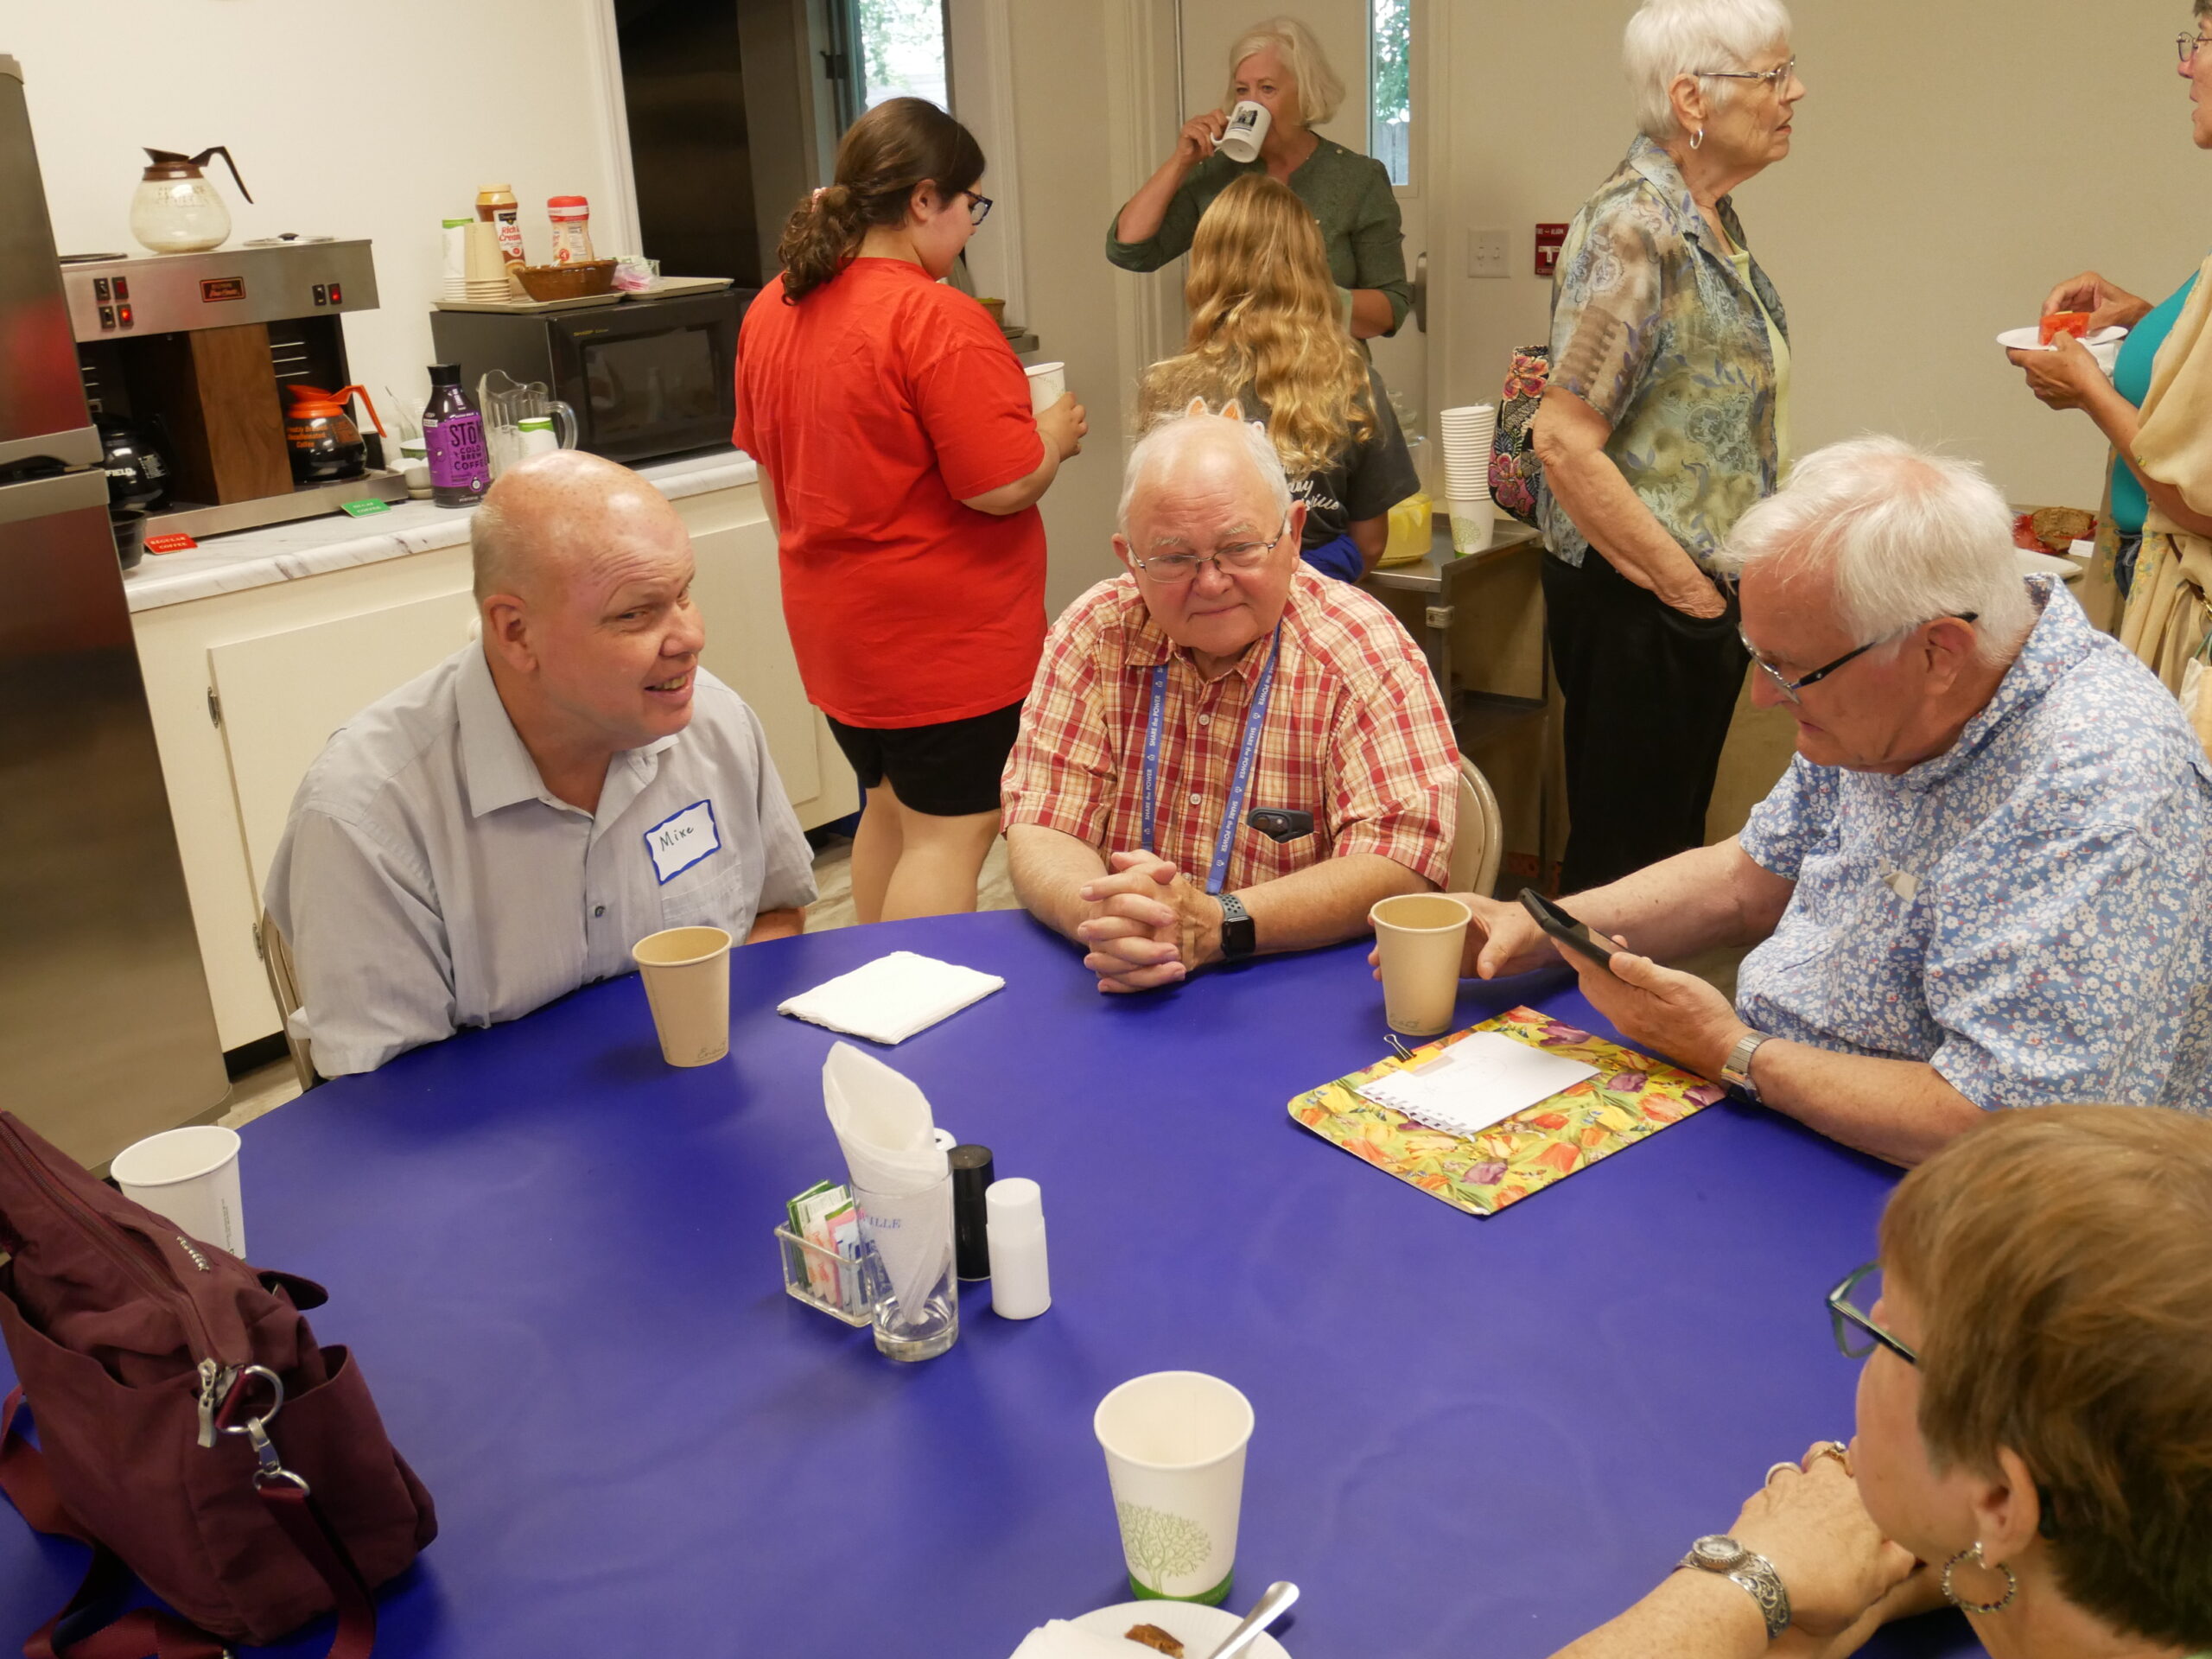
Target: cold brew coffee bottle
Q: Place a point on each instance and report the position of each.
(452, 432)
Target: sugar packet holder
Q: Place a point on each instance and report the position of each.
(828, 1262)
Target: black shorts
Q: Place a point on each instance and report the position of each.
(949, 770)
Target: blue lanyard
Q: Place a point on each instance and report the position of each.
(1248, 754)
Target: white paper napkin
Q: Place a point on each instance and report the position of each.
(888, 1000)
(883, 1127)
(1061, 1640)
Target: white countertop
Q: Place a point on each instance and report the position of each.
(310, 547)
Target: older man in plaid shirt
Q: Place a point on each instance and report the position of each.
(1216, 681)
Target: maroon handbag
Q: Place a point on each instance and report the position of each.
(189, 1428)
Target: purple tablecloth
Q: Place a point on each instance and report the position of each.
(551, 1254)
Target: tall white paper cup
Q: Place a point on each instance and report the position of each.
(1246, 132)
(190, 1177)
(1419, 937)
(1174, 1444)
(1048, 384)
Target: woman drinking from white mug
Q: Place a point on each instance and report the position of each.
(1277, 67)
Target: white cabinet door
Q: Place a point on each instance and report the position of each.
(283, 694)
(739, 595)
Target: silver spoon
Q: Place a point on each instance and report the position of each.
(1274, 1601)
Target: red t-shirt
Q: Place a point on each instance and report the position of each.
(875, 406)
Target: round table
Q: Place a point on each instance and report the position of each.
(551, 1254)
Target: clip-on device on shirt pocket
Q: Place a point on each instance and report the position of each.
(1280, 824)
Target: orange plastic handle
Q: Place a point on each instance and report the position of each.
(344, 392)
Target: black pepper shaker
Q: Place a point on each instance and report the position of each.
(971, 1175)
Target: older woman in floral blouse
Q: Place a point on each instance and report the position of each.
(1665, 418)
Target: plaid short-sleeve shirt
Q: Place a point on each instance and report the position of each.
(1355, 735)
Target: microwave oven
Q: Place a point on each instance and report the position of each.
(646, 378)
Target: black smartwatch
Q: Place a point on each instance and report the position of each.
(1240, 938)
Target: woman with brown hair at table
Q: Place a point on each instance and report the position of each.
(902, 467)
(2035, 1417)
(1264, 335)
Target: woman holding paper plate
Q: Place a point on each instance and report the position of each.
(2157, 514)
(1281, 88)
(2035, 1418)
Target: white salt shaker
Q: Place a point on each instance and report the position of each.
(1022, 1284)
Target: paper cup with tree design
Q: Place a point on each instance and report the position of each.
(1174, 1444)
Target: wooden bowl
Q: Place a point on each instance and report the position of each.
(566, 282)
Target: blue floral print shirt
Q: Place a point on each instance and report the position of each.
(1653, 327)
(2025, 911)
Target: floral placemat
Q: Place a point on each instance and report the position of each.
(1632, 1096)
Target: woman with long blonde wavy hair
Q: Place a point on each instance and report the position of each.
(1266, 332)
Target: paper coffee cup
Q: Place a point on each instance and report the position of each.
(1174, 1444)
(1420, 936)
(480, 254)
(1246, 132)
(190, 1177)
(1048, 384)
(686, 970)
(1472, 523)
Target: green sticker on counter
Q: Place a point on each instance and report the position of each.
(363, 509)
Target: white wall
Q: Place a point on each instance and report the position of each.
(1951, 162)
(361, 121)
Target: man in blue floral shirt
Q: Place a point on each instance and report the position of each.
(1981, 882)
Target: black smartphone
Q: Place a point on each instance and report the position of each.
(1575, 936)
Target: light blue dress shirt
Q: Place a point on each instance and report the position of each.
(429, 880)
(2026, 913)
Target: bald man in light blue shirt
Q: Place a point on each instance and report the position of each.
(503, 828)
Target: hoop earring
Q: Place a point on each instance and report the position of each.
(1697, 138)
(1950, 1594)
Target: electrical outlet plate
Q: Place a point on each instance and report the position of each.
(1486, 253)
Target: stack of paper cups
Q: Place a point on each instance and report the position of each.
(1468, 433)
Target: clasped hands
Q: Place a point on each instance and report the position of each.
(1843, 1576)
(1674, 1014)
(1149, 924)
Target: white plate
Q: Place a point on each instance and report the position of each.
(2104, 344)
(2032, 563)
(1200, 1629)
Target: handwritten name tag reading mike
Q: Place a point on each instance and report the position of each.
(680, 841)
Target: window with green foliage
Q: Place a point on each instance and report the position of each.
(1389, 83)
(902, 51)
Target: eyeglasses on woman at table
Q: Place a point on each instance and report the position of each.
(979, 208)
(1235, 558)
(2187, 42)
(1856, 1333)
(1790, 689)
(1775, 78)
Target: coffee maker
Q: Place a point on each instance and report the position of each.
(196, 349)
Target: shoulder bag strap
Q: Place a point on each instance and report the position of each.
(145, 1633)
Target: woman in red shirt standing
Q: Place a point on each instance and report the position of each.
(901, 467)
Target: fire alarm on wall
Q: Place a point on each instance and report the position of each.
(1550, 238)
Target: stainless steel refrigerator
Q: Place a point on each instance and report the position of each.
(106, 1033)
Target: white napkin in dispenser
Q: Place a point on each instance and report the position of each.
(898, 1170)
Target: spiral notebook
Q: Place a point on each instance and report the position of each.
(1481, 1080)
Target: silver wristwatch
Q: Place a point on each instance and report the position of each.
(1736, 1069)
(1719, 1552)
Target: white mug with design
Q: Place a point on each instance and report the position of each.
(1246, 132)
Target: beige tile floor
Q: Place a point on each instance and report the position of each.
(270, 1086)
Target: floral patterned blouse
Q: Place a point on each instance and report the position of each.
(1652, 327)
(2025, 911)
